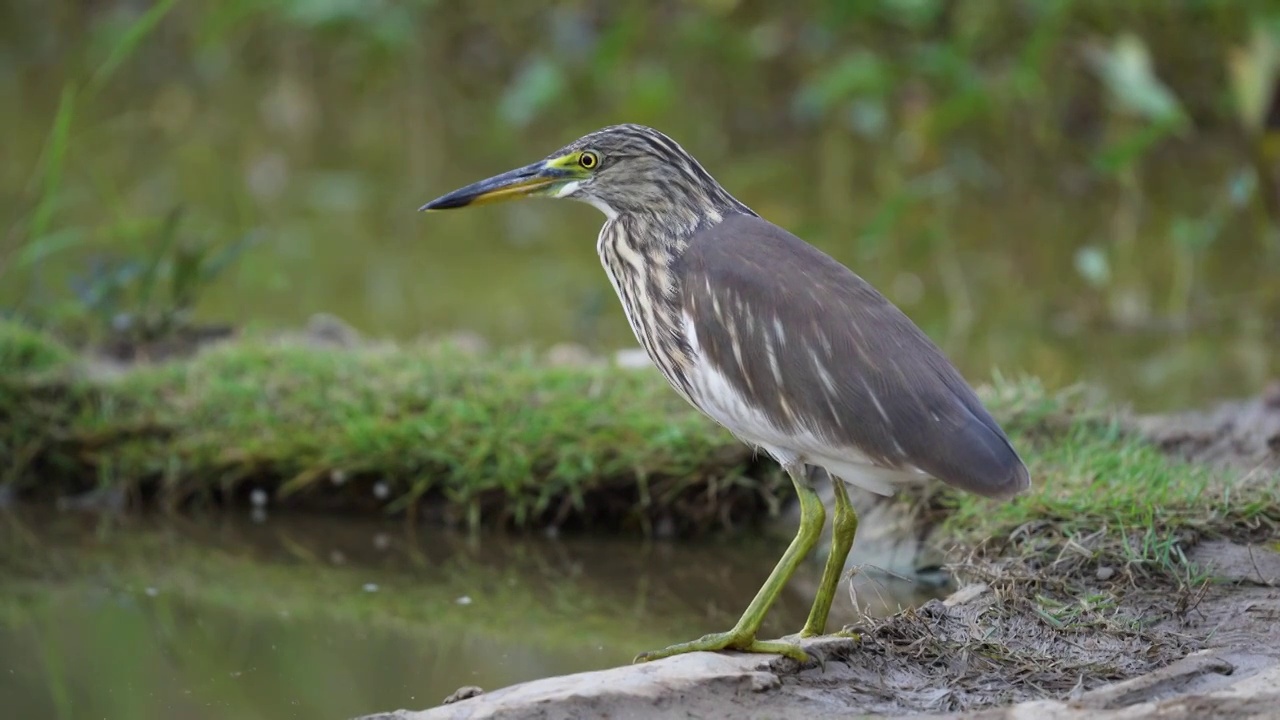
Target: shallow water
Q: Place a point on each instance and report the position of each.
(319, 617)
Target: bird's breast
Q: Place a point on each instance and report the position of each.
(649, 294)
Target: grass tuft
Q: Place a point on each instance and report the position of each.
(503, 439)
(1107, 514)
(24, 350)
(507, 439)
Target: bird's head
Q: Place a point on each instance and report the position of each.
(621, 170)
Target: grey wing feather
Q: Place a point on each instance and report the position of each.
(819, 348)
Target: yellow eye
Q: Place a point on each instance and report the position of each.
(588, 160)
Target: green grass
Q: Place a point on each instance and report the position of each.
(503, 439)
(25, 350)
(1102, 498)
(507, 440)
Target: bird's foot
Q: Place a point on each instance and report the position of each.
(842, 633)
(728, 641)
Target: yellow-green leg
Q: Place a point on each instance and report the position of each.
(743, 635)
(843, 527)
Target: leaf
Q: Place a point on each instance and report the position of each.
(1196, 233)
(1126, 71)
(1241, 187)
(1092, 265)
(916, 14)
(1252, 70)
(129, 43)
(536, 88)
(859, 74)
(55, 155)
(226, 255)
(1131, 146)
(36, 250)
(167, 235)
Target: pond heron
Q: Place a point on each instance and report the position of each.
(773, 339)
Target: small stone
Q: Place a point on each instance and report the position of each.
(325, 330)
(935, 608)
(370, 587)
(462, 693)
(338, 477)
(258, 498)
(764, 682)
(1106, 573)
(569, 355)
(664, 528)
(632, 359)
(1271, 395)
(381, 490)
(466, 342)
(966, 594)
(464, 600)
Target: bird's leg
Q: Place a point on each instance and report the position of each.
(743, 635)
(843, 527)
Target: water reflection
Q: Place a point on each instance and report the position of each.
(318, 617)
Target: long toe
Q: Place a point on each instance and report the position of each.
(706, 643)
(779, 647)
(726, 641)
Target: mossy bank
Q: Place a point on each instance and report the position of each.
(517, 439)
(513, 438)
(495, 439)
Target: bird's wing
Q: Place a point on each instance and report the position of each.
(824, 355)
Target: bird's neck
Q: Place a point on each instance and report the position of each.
(675, 224)
(668, 230)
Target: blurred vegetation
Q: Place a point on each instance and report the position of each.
(1009, 170)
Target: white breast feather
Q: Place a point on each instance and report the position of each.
(716, 397)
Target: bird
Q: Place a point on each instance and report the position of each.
(773, 339)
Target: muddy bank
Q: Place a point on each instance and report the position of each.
(1049, 623)
(1238, 434)
(985, 652)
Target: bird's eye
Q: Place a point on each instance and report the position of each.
(588, 160)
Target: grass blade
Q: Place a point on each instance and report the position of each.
(129, 43)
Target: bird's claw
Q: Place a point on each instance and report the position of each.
(728, 641)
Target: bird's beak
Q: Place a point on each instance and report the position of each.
(521, 182)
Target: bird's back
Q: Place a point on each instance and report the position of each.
(799, 353)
